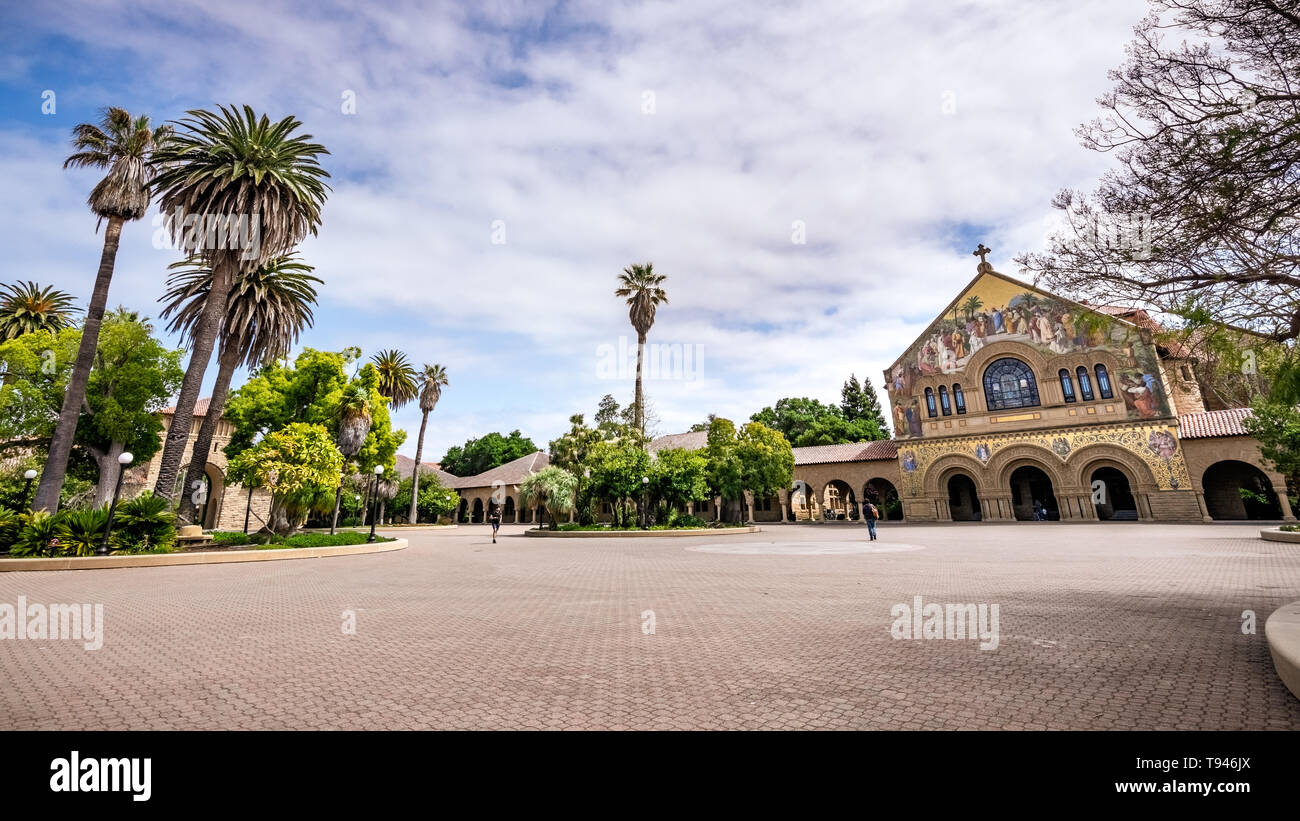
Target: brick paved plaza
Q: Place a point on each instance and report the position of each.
(1103, 626)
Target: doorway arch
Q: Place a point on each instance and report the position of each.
(477, 517)
(840, 502)
(1031, 484)
(1239, 490)
(963, 499)
(883, 494)
(1115, 493)
(508, 514)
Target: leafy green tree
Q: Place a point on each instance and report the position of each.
(1276, 426)
(133, 377)
(616, 472)
(300, 465)
(310, 391)
(725, 474)
(36, 367)
(486, 452)
(678, 476)
(858, 401)
(766, 460)
(435, 500)
(553, 488)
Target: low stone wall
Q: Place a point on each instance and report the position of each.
(1275, 535)
(640, 534)
(197, 557)
(1283, 633)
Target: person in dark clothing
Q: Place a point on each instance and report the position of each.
(870, 513)
(495, 518)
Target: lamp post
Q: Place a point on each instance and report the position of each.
(374, 498)
(27, 489)
(645, 500)
(123, 461)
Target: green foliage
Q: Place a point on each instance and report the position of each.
(678, 476)
(859, 401)
(616, 472)
(299, 464)
(1276, 426)
(133, 376)
(758, 459)
(686, 520)
(435, 500)
(36, 367)
(36, 531)
(485, 453)
(551, 487)
(229, 538)
(806, 422)
(10, 523)
(144, 523)
(80, 532)
(326, 540)
(26, 307)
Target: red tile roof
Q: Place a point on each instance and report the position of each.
(854, 452)
(690, 440)
(511, 473)
(1212, 423)
(200, 408)
(404, 465)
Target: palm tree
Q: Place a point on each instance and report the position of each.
(431, 382)
(971, 306)
(124, 145)
(396, 377)
(27, 307)
(640, 284)
(265, 312)
(354, 426)
(231, 169)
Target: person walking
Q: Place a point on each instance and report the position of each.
(870, 514)
(495, 518)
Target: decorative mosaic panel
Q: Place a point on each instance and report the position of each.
(999, 309)
(1156, 445)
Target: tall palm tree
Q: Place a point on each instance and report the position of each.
(266, 310)
(354, 426)
(27, 307)
(396, 377)
(640, 284)
(972, 306)
(431, 381)
(224, 167)
(124, 145)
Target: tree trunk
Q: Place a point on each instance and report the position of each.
(415, 474)
(109, 468)
(639, 417)
(228, 360)
(338, 498)
(205, 337)
(56, 464)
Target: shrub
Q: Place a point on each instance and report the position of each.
(144, 524)
(35, 530)
(80, 532)
(10, 522)
(325, 539)
(686, 520)
(231, 538)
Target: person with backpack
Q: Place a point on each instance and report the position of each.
(871, 513)
(495, 519)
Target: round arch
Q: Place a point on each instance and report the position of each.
(839, 500)
(936, 476)
(963, 497)
(1238, 490)
(884, 495)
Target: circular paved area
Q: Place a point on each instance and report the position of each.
(1101, 626)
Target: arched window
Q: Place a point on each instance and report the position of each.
(1067, 385)
(943, 401)
(1103, 383)
(1085, 383)
(929, 402)
(1010, 383)
(959, 398)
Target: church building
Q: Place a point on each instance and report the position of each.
(1018, 404)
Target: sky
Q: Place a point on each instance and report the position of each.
(811, 177)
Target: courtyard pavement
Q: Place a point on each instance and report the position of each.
(1102, 626)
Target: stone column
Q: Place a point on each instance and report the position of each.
(749, 505)
(1287, 513)
(1205, 511)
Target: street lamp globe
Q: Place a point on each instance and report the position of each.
(379, 469)
(126, 458)
(30, 474)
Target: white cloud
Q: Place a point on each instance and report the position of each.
(830, 113)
